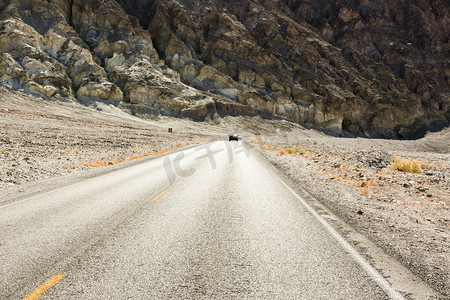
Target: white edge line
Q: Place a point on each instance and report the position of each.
(379, 279)
(39, 195)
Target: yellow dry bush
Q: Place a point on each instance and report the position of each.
(365, 190)
(304, 152)
(281, 152)
(291, 150)
(350, 180)
(131, 157)
(159, 152)
(257, 142)
(117, 160)
(96, 164)
(406, 165)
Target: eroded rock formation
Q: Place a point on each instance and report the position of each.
(366, 67)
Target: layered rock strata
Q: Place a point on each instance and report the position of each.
(371, 68)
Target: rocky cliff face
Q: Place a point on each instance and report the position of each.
(360, 67)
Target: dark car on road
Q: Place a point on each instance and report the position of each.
(233, 137)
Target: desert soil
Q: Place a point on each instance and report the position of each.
(406, 214)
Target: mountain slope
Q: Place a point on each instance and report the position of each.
(371, 68)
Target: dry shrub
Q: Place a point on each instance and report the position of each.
(258, 142)
(97, 164)
(159, 152)
(406, 165)
(365, 190)
(291, 150)
(131, 157)
(281, 152)
(304, 152)
(117, 160)
(350, 180)
(94, 164)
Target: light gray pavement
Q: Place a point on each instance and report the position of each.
(227, 229)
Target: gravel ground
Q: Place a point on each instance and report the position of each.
(407, 214)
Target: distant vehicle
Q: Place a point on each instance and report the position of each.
(233, 137)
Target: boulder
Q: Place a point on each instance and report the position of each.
(103, 91)
(200, 110)
(12, 73)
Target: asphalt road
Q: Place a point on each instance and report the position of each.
(210, 222)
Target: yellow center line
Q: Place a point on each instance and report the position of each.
(159, 196)
(44, 287)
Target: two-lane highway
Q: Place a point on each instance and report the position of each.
(210, 222)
